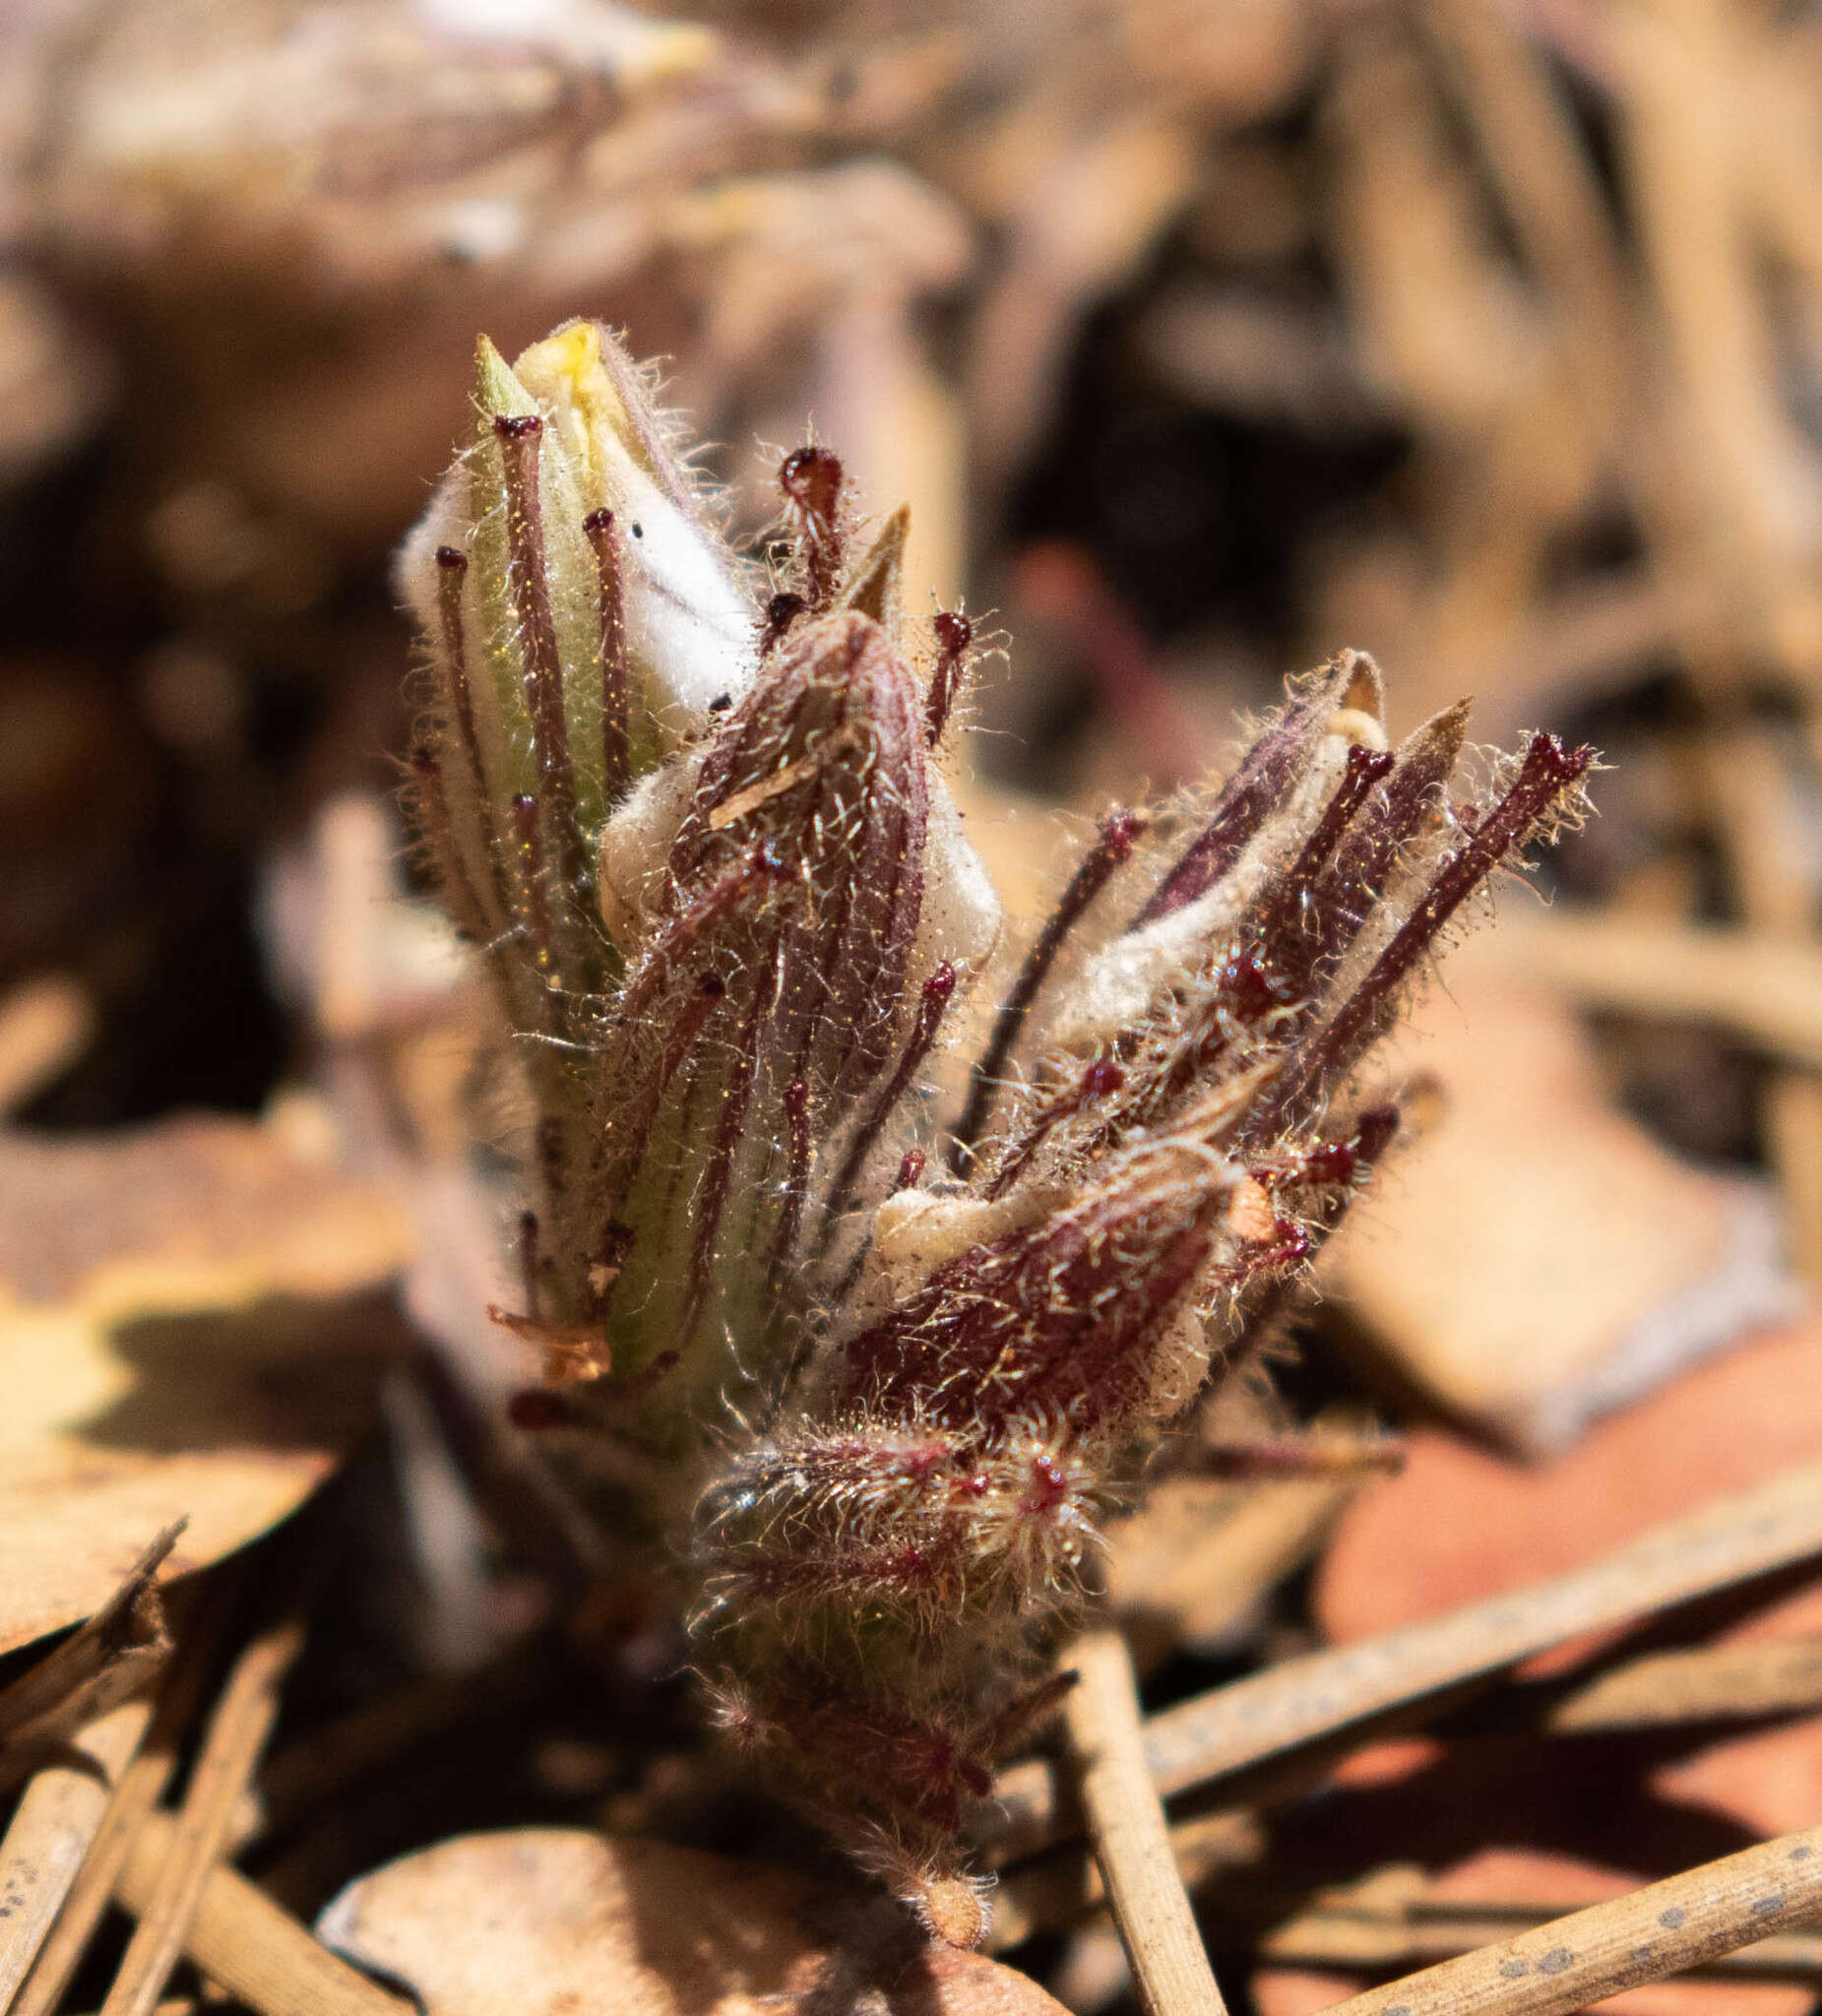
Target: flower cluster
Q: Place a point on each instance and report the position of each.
(874, 1370)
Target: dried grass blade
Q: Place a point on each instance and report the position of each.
(113, 1655)
(57, 1818)
(237, 1734)
(137, 1792)
(240, 1937)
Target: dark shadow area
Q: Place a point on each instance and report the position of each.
(283, 1374)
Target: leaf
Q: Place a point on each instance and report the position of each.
(1460, 1525)
(554, 1921)
(1606, 1265)
(172, 1302)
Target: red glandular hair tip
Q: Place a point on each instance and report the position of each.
(812, 479)
(954, 635)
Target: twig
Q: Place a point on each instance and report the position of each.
(1765, 989)
(1665, 1929)
(1127, 1823)
(1388, 1920)
(240, 1937)
(1706, 1684)
(1665, 1689)
(57, 1817)
(231, 1745)
(1323, 1694)
(1352, 1931)
(1062, 1888)
(134, 1799)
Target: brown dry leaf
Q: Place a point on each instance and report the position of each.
(554, 1921)
(1537, 1259)
(169, 1300)
(1407, 1552)
(1459, 1524)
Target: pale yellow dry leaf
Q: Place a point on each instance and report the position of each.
(554, 1921)
(182, 1334)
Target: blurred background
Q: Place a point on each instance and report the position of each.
(1204, 340)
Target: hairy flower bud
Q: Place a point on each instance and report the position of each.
(1063, 1320)
(721, 888)
(882, 1416)
(581, 614)
(1185, 1139)
(826, 760)
(790, 899)
(887, 1513)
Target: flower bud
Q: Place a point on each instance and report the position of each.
(1182, 1143)
(888, 1513)
(1066, 1319)
(582, 612)
(771, 984)
(732, 917)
